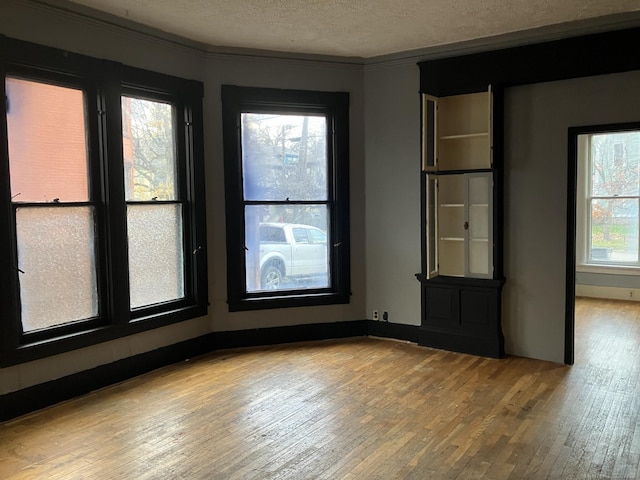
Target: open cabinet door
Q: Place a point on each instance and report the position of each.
(432, 226)
(429, 164)
(429, 132)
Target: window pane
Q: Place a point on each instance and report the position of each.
(56, 253)
(287, 247)
(148, 150)
(47, 142)
(614, 230)
(615, 158)
(155, 253)
(284, 157)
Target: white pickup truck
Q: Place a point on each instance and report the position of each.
(292, 255)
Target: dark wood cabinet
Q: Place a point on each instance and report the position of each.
(463, 316)
(461, 275)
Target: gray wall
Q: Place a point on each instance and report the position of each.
(49, 26)
(537, 118)
(392, 186)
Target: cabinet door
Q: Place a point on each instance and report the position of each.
(443, 307)
(479, 205)
(451, 225)
(429, 133)
(459, 229)
(478, 308)
(432, 226)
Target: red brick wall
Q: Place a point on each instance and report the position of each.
(47, 143)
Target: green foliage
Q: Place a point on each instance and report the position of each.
(148, 127)
(618, 236)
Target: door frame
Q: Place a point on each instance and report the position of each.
(572, 182)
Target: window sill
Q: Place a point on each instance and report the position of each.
(306, 300)
(608, 269)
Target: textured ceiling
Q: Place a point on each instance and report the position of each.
(352, 28)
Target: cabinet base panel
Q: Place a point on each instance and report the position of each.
(485, 347)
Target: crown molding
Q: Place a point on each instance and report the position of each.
(508, 40)
(122, 26)
(107, 22)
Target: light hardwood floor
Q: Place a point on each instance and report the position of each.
(361, 408)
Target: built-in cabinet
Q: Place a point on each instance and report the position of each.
(463, 312)
(461, 280)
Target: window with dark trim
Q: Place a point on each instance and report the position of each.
(287, 197)
(101, 201)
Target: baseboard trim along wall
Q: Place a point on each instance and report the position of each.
(614, 293)
(396, 331)
(39, 396)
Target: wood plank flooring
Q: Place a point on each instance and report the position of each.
(360, 408)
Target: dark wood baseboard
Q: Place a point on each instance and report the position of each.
(396, 331)
(474, 345)
(33, 398)
(39, 396)
(295, 333)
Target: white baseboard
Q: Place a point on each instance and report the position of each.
(617, 293)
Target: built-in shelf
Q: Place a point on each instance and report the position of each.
(464, 135)
(459, 196)
(461, 298)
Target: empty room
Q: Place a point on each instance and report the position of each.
(319, 240)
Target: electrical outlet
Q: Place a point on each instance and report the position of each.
(385, 316)
(375, 315)
(630, 293)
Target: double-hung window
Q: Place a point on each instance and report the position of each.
(287, 207)
(155, 208)
(101, 201)
(609, 197)
(52, 202)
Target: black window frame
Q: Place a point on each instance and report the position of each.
(335, 107)
(104, 82)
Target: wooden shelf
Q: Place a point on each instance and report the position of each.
(464, 135)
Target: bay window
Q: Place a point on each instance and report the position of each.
(101, 201)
